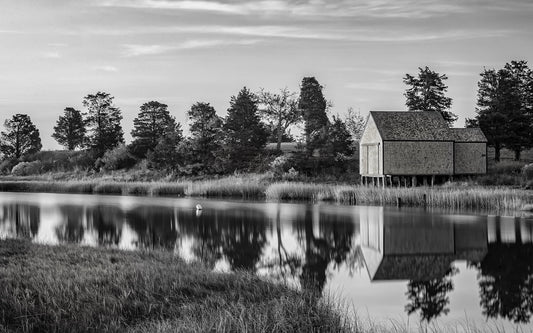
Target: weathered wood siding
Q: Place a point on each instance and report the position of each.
(370, 150)
(418, 158)
(470, 158)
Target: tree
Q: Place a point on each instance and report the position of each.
(103, 122)
(20, 138)
(245, 135)
(280, 111)
(152, 123)
(313, 105)
(166, 154)
(427, 91)
(70, 129)
(504, 107)
(339, 139)
(355, 124)
(518, 77)
(206, 131)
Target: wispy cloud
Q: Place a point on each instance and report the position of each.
(51, 55)
(306, 8)
(135, 50)
(349, 34)
(106, 68)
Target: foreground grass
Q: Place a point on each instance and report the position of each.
(261, 187)
(67, 288)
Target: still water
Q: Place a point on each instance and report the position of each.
(406, 267)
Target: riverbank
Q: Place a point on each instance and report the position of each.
(68, 288)
(260, 187)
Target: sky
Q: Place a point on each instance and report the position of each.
(178, 52)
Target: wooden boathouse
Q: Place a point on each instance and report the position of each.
(413, 147)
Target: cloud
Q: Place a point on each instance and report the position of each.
(135, 50)
(306, 8)
(51, 55)
(106, 68)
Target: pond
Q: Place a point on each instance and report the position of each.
(398, 266)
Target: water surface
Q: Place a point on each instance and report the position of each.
(407, 266)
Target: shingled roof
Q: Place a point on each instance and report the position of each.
(422, 126)
(468, 135)
(411, 125)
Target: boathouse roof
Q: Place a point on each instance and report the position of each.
(468, 135)
(411, 125)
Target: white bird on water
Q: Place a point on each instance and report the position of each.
(198, 207)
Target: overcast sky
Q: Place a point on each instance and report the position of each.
(178, 52)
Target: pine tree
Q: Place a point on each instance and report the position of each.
(206, 131)
(70, 129)
(427, 91)
(504, 108)
(245, 135)
(313, 105)
(103, 122)
(152, 123)
(20, 138)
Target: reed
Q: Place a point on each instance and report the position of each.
(66, 288)
(494, 198)
(235, 187)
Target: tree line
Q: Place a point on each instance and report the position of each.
(237, 142)
(215, 144)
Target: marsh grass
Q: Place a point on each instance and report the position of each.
(497, 198)
(69, 288)
(234, 187)
(254, 187)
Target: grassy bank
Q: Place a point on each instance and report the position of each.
(68, 288)
(261, 187)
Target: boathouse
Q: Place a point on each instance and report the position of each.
(411, 147)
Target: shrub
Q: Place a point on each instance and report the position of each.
(527, 171)
(280, 165)
(507, 167)
(7, 165)
(116, 159)
(27, 168)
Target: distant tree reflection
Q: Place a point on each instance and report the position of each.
(107, 221)
(71, 230)
(332, 244)
(22, 220)
(506, 282)
(243, 239)
(156, 227)
(430, 297)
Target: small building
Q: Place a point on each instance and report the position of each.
(412, 145)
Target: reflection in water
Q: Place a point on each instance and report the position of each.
(506, 273)
(308, 245)
(21, 220)
(71, 229)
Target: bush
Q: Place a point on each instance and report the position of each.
(7, 165)
(507, 167)
(27, 168)
(280, 165)
(116, 159)
(527, 171)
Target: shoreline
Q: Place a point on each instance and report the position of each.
(253, 188)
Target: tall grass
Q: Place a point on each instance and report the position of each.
(236, 187)
(96, 187)
(497, 198)
(69, 288)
